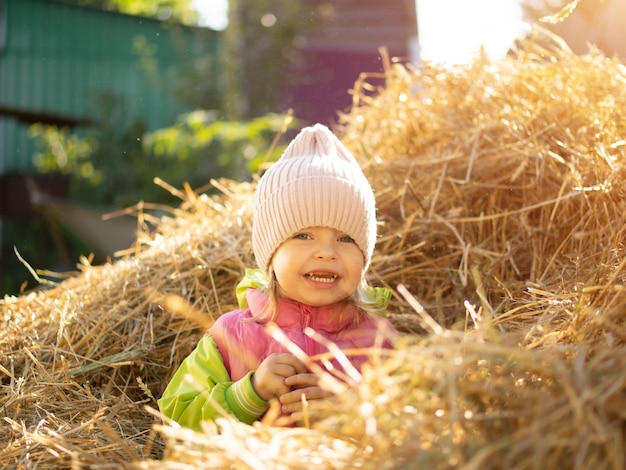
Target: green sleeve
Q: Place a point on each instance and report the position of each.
(201, 390)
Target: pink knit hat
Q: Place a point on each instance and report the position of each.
(316, 182)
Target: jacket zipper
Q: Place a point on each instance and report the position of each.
(306, 316)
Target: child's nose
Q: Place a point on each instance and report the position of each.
(326, 249)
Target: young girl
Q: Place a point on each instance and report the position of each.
(313, 234)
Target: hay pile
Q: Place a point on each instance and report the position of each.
(501, 196)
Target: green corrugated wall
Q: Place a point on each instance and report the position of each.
(55, 58)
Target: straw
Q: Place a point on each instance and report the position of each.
(500, 188)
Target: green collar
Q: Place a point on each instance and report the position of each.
(377, 297)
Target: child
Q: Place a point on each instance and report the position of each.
(313, 234)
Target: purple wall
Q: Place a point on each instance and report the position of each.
(325, 82)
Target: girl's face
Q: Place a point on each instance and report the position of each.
(318, 266)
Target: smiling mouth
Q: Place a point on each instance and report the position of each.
(321, 277)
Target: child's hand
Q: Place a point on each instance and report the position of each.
(269, 379)
(303, 384)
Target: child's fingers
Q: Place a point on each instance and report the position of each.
(316, 400)
(267, 384)
(310, 393)
(286, 363)
(282, 370)
(293, 361)
(301, 380)
(269, 379)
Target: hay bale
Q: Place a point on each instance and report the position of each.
(513, 167)
(72, 354)
(501, 198)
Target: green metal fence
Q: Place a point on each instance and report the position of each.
(56, 59)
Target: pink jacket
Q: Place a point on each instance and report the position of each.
(244, 343)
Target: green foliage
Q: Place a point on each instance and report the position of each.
(201, 146)
(181, 10)
(115, 162)
(195, 79)
(105, 161)
(64, 152)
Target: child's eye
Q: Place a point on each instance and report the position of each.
(302, 236)
(346, 239)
